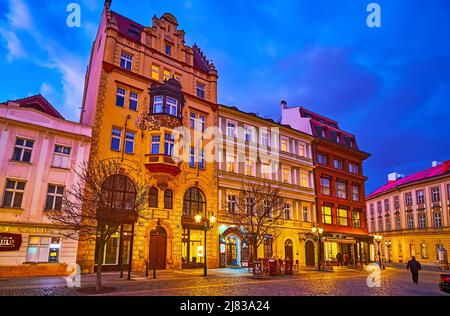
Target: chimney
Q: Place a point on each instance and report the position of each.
(283, 105)
(436, 163)
(392, 177)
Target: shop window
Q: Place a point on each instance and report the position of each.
(43, 249)
(155, 72)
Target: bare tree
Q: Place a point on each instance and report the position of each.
(106, 195)
(257, 210)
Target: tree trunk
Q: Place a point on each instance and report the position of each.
(101, 250)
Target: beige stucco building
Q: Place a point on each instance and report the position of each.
(412, 215)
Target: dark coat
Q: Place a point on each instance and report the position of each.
(414, 266)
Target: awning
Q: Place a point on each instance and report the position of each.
(340, 240)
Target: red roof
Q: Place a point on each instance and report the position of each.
(416, 177)
(39, 103)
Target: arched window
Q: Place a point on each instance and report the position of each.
(168, 199)
(153, 197)
(118, 194)
(194, 200)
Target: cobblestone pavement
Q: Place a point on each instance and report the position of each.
(394, 282)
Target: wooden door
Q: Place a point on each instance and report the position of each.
(309, 253)
(158, 251)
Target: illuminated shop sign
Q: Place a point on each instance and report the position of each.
(10, 242)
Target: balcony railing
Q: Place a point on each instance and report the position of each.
(163, 164)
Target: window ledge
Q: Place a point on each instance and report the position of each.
(60, 168)
(21, 162)
(11, 210)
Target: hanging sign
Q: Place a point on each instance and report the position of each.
(10, 242)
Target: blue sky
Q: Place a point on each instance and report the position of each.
(389, 86)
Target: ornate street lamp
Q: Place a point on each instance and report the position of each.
(208, 224)
(388, 245)
(378, 239)
(318, 231)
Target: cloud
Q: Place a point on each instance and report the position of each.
(19, 15)
(13, 44)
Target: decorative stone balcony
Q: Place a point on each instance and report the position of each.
(163, 165)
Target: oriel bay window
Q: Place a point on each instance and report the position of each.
(171, 106)
(156, 143)
(158, 103)
(169, 144)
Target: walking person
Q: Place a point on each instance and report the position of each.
(346, 259)
(339, 259)
(414, 267)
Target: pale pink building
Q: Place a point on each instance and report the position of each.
(40, 151)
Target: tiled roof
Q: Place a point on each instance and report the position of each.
(39, 103)
(132, 31)
(416, 177)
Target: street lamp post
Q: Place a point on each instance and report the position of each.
(208, 224)
(316, 230)
(378, 239)
(388, 245)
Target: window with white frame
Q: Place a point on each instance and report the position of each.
(341, 190)
(266, 171)
(342, 217)
(435, 194)
(231, 164)
(420, 197)
(158, 102)
(264, 137)
(355, 192)
(286, 175)
(422, 220)
(156, 143)
(201, 159)
(54, 199)
(410, 220)
(13, 194)
(301, 150)
(338, 164)
(202, 123)
(305, 214)
(356, 219)
(61, 157)
(200, 88)
(437, 219)
(193, 120)
(249, 167)
(397, 202)
(23, 149)
(322, 159)
(408, 199)
(126, 61)
(287, 211)
(171, 106)
(116, 139)
(232, 203)
(325, 185)
(326, 215)
(353, 168)
(284, 144)
(249, 133)
(304, 179)
(231, 129)
(129, 142)
(134, 101)
(169, 144)
(120, 97)
(192, 157)
(398, 222)
(250, 205)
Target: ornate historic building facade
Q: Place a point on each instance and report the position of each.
(145, 90)
(340, 184)
(413, 215)
(256, 150)
(40, 152)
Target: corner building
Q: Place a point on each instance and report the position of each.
(142, 83)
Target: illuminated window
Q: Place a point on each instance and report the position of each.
(249, 167)
(342, 217)
(232, 203)
(355, 192)
(286, 175)
(231, 165)
(301, 150)
(305, 214)
(126, 61)
(326, 215)
(356, 219)
(13, 194)
(304, 179)
(266, 171)
(155, 72)
(43, 249)
(423, 251)
(54, 198)
(167, 75)
(134, 100)
(284, 145)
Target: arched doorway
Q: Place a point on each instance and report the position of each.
(158, 248)
(288, 250)
(309, 253)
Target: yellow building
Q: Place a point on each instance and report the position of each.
(256, 150)
(413, 215)
(143, 84)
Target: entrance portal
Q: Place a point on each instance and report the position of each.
(158, 248)
(309, 253)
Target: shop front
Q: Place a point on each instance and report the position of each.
(355, 247)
